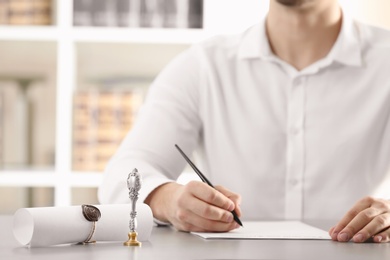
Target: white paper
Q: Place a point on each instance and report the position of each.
(270, 230)
(39, 227)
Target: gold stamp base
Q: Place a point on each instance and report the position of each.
(132, 240)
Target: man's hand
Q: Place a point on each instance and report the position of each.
(368, 219)
(195, 206)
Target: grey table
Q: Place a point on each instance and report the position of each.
(166, 243)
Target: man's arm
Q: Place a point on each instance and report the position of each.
(168, 116)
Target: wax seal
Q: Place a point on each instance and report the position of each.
(91, 213)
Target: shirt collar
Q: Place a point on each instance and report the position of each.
(346, 50)
(255, 43)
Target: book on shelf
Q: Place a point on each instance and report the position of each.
(3, 12)
(1, 127)
(171, 16)
(195, 14)
(152, 13)
(139, 13)
(13, 124)
(123, 13)
(25, 12)
(27, 127)
(102, 118)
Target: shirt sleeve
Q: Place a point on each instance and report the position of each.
(169, 116)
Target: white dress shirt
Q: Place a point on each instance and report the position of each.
(295, 144)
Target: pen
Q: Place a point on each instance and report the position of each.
(205, 180)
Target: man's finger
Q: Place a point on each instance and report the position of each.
(379, 223)
(351, 214)
(210, 195)
(383, 236)
(188, 221)
(205, 202)
(209, 212)
(236, 198)
(362, 219)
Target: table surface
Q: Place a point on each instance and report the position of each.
(167, 243)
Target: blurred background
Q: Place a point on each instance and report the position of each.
(73, 74)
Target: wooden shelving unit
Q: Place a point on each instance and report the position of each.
(227, 16)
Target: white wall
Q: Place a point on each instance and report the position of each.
(237, 15)
(229, 16)
(375, 12)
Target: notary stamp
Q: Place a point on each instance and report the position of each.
(134, 186)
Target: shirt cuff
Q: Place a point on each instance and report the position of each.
(149, 185)
(161, 223)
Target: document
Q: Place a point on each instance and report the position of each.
(270, 230)
(48, 226)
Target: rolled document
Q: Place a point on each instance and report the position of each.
(40, 227)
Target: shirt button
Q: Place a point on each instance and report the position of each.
(297, 81)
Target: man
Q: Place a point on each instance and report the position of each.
(293, 115)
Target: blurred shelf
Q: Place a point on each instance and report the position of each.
(103, 34)
(138, 35)
(29, 33)
(46, 178)
(85, 179)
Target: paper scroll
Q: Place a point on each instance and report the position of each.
(39, 227)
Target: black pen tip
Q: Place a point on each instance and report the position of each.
(237, 219)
